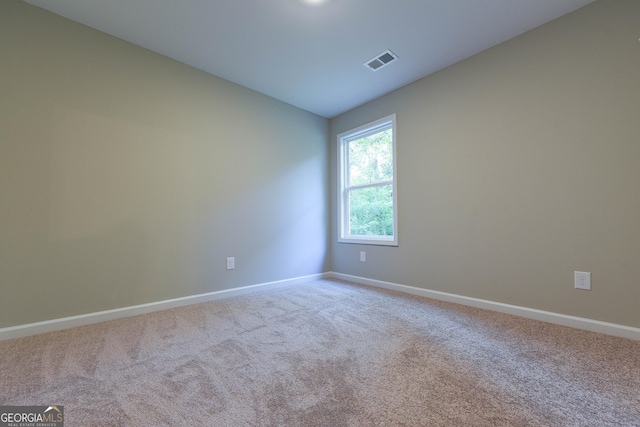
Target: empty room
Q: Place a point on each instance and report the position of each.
(320, 213)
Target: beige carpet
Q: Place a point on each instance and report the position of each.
(326, 353)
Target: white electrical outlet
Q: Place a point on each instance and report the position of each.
(363, 256)
(231, 263)
(582, 280)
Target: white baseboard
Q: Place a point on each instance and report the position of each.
(101, 316)
(531, 313)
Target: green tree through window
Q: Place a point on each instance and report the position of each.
(367, 203)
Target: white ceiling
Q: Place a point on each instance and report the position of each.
(311, 55)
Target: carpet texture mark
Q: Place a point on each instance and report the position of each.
(326, 353)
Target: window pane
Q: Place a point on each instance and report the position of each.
(371, 211)
(371, 158)
(367, 181)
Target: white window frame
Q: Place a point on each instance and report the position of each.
(343, 191)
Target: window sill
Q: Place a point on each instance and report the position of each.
(370, 241)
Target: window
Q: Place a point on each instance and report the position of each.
(367, 192)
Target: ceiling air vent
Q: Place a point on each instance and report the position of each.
(381, 60)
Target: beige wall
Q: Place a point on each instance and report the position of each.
(519, 166)
(127, 178)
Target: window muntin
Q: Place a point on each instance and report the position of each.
(367, 202)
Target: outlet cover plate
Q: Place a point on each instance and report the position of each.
(582, 280)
